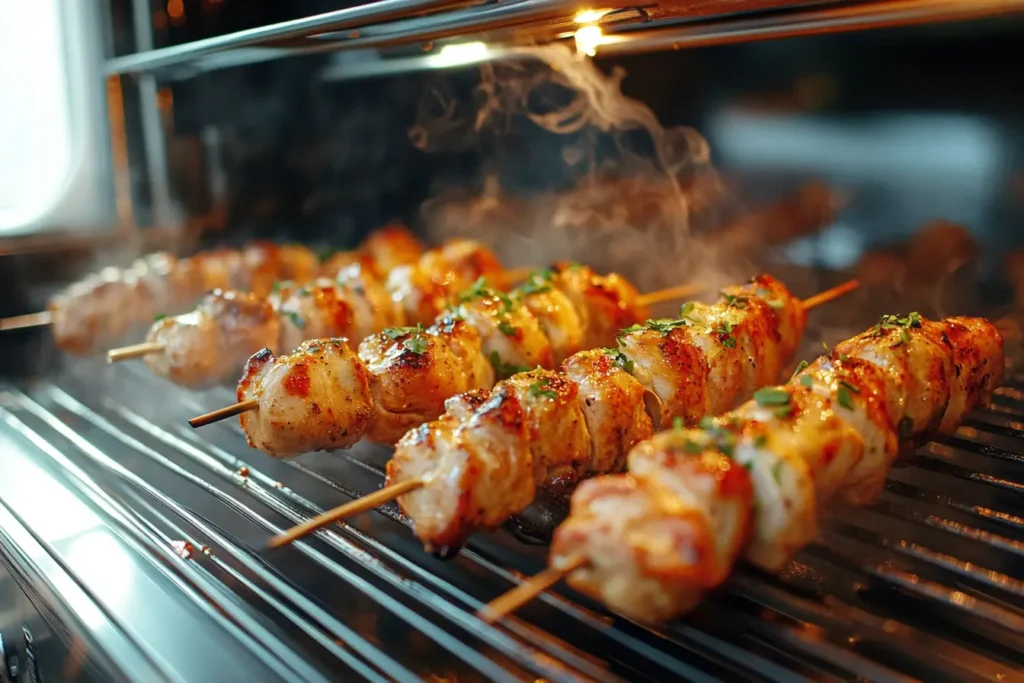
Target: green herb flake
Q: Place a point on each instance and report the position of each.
(665, 325)
(502, 369)
(537, 283)
(158, 317)
(735, 300)
(620, 359)
(892, 322)
(807, 381)
(324, 254)
(628, 330)
(692, 447)
(777, 471)
(507, 328)
(417, 344)
(760, 441)
(801, 366)
(824, 346)
(706, 423)
(677, 423)
(542, 389)
(843, 357)
(296, 320)
(771, 396)
(843, 397)
(686, 309)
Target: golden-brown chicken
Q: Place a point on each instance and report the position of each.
(412, 371)
(753, 481)
(213, 340)
(320, 392)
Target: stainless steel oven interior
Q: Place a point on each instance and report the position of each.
(821, 135)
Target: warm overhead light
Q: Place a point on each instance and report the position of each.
(588, 38)
(461, 53)
(589, 16)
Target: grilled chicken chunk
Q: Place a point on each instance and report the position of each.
(470, 465)
(320, 391)
(426, 288)
(214, 339)
(753, 481)
(605, 303)
(413, 371)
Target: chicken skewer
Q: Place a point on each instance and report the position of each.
(103, 308)
(485, 457)
(206, 346)
(652, 542)
(401, 377)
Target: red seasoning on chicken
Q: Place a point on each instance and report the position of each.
(543, 428)
(751, 482)
(488, 335)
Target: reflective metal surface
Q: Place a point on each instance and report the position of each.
(151, 535)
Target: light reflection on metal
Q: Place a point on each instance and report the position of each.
(590, 16)
(459, 54)
(588, 38)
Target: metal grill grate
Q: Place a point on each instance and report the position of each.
(928, 583)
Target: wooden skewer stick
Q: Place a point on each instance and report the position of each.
(667, 294)
(224, 413)
(134, 351)
(354, 507)
(527, 590)
(822, 298)
(28, 320)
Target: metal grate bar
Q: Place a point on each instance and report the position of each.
(927, 583)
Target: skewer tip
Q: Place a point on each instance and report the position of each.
(528, 590)
(367, 502)
(134, 351)
(223, 413)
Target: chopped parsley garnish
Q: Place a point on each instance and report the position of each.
(807, 381)
(692, 447)
(507, 328)
(478, 290)
(777, 471)
(760, 441)
(326, 253)
(824, 346)
(677, 423)
(686, 309)
(771, 396)
(725, 330)
(665, 325)
(501, 368)
(538, 282)
(619, 358)
(279, 284)
(892, 322)
(415, 341)
(303, 292)
(906, 428)
(296, 320)
(541, 388)
(416, 344)
(629, 330)
(775, 398)
(843, 357)
(735, 300)
(158, 317)
(799, 368)
(844, 398)
(763, 293)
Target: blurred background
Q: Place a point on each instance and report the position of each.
(803, 155)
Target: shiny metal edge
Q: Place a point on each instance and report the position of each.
(524, 21)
